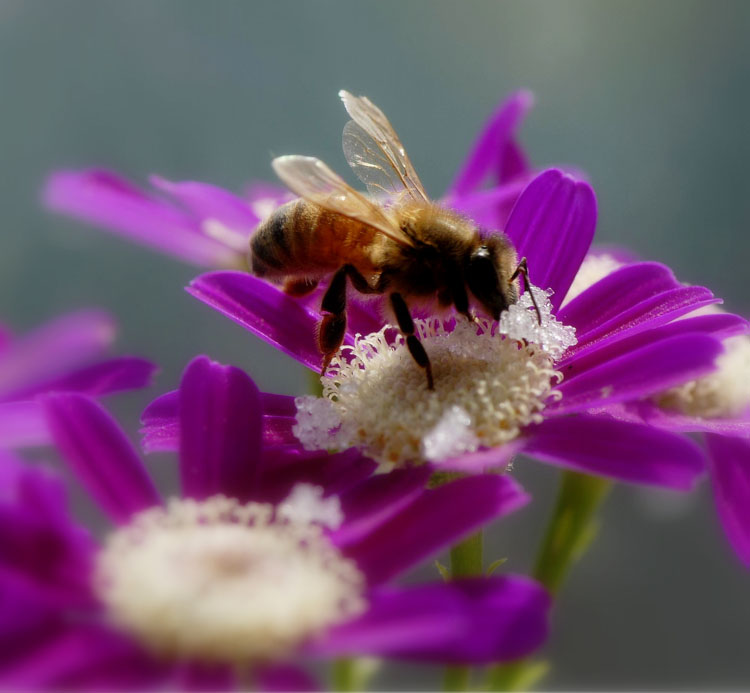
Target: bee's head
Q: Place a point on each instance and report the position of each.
(488, 271)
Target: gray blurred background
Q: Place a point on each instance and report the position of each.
(650, 99)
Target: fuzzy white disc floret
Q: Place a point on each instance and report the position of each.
(491, 380)
(220, 581)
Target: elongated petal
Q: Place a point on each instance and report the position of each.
(439, 518)
(717, 326)
(552, 225)
(100, 455)
(494, 151)
(730, 473)
(105, 199)
(220, 431)
(284, 677)
(639, 373)
(54, 349)
(468, 621)
(286, 466)
(376, 500)
(264, 310)
(106, 377)
(619, 450)
(23, 424)
(648, 412)
(489, 208)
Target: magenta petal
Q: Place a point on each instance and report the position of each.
(263, 309)
(53, 349)
(489, 208)
(729, 460)
(101, 456)
(220, 431)
(648, 412)
(439, 518)
(115, 375)
(617, 449)
(467, 621)
(718, 326)
(284, 467)
(161, 428)
(494, 150)
(482, 460)
(639, 373)
(208, 201)
(552, 225)
(278, 405)
(22, 424)
(284, 677)
(376, 500)
(105, 199)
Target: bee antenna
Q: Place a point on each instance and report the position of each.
(523, 270)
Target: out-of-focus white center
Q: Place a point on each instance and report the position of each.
(491, 380)
(593, 268)
(220, 581)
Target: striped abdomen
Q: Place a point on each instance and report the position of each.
(305, 240)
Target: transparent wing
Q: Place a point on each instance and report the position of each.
(312, 180)
(375, 152)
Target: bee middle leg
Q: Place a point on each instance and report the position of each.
(406, 325)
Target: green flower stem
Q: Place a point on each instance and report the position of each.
(466, 561)
(572, 527)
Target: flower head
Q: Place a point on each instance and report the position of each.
(248, 567)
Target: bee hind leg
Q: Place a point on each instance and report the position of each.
(406, 325)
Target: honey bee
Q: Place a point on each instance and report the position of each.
(397, 241)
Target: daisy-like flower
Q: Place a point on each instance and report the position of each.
(207, 226)
(248, 568)
(66, 354)
(512, 386)
(716, 404)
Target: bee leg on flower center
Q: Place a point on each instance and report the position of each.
(406, 325)
(523, 270)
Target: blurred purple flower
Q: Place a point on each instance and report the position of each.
(716, 405)
(63, 355)
(627, 347)
(207, 226)
(61, 591)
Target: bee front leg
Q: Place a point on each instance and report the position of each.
(523, 270)
(406, 325)
(333, 325)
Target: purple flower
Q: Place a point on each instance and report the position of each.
(248, 567)
(209, 227)
(495, 396)
(716, 404)
(64, 355)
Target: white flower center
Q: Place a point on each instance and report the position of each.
(491, 380)
(723, 393)
(593, 268)
(221, 581)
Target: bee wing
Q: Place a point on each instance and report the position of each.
(375, 152)
(312, 180)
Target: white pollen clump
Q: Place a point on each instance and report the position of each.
(224, 582)
(722, 393)
(593, 268)
(491, 380)
(305, 504)
(318, 423)
(451, 436)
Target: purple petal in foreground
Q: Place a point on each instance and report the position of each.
(265, 310)
(552, 225)
(439, 518)
(54, 349)
(220, 431)
(617, 449)
(645, 371)
(650, 413)
(466, 621)
(105, 199)
(101, 456)
(494, 151)
(729, 460)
